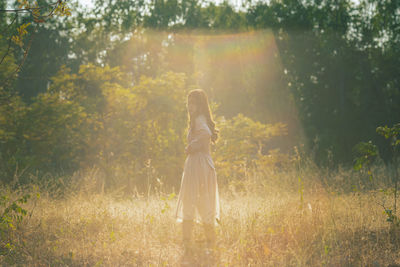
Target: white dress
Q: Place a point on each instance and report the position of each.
(198, 198)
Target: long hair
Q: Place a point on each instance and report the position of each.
(199, 98)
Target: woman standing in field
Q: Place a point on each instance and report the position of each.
(198, 197)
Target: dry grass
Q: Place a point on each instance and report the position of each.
(263, 224)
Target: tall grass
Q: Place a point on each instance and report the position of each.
(307, 217)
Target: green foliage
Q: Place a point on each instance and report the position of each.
(11, 211)
(392, 133)
(54, 135)
(365, 152)
(243, 146)
(11, 215)
(12, 114)
(16, 21)
(8, 63)
(322, 45)
(368, 151)
(166, 201)
(392, 218)
(327, 66)
(17, 39)
(120, 127)
(97, 117)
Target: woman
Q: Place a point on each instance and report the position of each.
(198, 197)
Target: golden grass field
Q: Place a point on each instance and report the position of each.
(270, 220)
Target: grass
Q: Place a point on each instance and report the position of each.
(268, 220)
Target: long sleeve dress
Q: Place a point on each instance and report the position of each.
(198, 198)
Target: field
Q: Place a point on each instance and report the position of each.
(101, 103)
(272, 220)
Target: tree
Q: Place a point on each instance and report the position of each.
(38, 13)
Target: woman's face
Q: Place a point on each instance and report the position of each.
(191, 106)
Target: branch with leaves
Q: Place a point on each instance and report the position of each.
(40, 13)
(367, 152)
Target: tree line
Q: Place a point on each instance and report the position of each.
(107, 87)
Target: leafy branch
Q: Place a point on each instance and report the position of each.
(393, 133)
(39, 15)
(367, 152)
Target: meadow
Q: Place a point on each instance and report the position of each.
(94, 123)
(285, 218)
